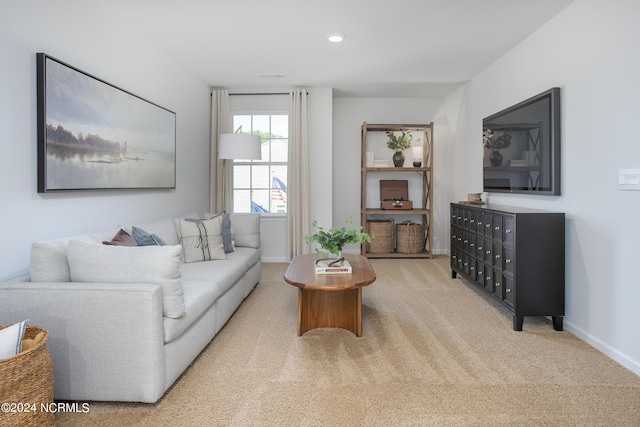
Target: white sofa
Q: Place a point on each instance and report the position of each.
(118, 339)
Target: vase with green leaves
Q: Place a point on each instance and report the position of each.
(334, 239)
(399, 143)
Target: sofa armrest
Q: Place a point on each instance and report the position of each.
(100, 333)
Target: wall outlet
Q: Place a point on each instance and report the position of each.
(629, 179)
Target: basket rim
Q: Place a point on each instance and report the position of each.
(37, 347)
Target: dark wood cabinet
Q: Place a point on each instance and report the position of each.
(515, 254)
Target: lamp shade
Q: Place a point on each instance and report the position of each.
(416, 152)
(239, 146)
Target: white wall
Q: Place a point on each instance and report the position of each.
(90, 37)
(348, 116)
(589, 50)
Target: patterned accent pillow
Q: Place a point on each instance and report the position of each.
(201, 240)
(144, 238)
(227, 231)
(122, 238)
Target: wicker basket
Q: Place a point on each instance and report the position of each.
(27, 378)
(381, 231)
(410, 238)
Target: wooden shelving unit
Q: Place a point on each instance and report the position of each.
(424, 173)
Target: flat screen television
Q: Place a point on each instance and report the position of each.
(522, 147)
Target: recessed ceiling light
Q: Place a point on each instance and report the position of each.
(335, 37)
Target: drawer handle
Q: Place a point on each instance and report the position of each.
(507, 261)
(488, 278)
(473, 244)
(479, 222)
(454, 257)
(498, 256)
(488, 225)
(466, 263)
(479, 273)
(472, 221)
(459, 218)
(479, 248)
(508, 290)
(488, 252)
(497, 284)
(472, 268)
(508, 231)
(497, 228)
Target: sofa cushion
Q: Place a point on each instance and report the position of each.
(123, 264)
(249, 256)
(203, 283)
(246, 229)
(48, 262)
(200, 240)
(11, 339)
(199, 296)
(122, 238)
(144, 238)
(227, 235)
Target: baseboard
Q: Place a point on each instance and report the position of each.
(611, 352)
(273, 259)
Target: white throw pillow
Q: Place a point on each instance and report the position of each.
(11, 339)
(201, 240)
(247, 229)
(131, 264)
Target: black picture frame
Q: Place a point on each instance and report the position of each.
(534, 153)
(93, 135)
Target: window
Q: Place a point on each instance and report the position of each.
(261, 185)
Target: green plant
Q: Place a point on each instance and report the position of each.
(399, 142)
(334, 239)
(493, 142)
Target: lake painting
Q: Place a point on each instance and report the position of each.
(95, 136)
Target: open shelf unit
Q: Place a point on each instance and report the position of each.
(421, 176)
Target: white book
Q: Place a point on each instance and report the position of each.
(322, 267)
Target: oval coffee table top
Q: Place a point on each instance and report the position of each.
(301, 273)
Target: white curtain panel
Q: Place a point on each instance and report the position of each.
(298, 208)
(220, 184)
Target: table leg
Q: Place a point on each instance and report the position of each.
(330, 309)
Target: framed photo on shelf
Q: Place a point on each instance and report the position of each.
(95, 136)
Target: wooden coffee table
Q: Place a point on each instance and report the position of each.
(329, 300)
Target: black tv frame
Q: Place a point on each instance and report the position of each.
(552, 161)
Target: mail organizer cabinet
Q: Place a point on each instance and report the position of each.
(515, 254)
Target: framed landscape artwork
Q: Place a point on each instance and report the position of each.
(95, 136)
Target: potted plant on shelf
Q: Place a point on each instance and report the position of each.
(495, 143)
(399, 143)
(334, 239)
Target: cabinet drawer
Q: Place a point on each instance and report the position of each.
(509, 258)
(497, 227)
(480, 247)
(480, 224)
(488, 251)
(508, 223)
(498, 285)
(497, 256)
(479, 279)
(509, 291)
(488, 278)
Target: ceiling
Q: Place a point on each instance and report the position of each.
(399, 48)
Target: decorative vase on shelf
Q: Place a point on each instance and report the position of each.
(495, 158)
(398, 159)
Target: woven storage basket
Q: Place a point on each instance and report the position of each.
(27, 379)
(381, 231)
(410, 237)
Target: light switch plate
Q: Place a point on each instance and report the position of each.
(629, 179)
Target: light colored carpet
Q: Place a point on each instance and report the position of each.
(434, 352)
